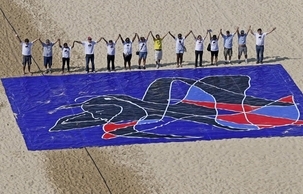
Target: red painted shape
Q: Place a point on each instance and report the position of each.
(258, 120)
(287, 99)
(108, 136)
(223, 106)
(109, 127)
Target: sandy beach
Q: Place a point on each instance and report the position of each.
(249, 165)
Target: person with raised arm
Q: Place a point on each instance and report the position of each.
(142, 50)
(48, 54)
(199, 48)
(228, 45)
(127, 50)
(214, 48)
(242, 48)
(180, 47)
(66, 55)
(260, 37)
(111, 52)
(89, 48)
(158, 48)
(26, 53)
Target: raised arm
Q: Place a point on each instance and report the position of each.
(205, 35)
(56, 41)
(148, 35)
(136, 35)
(19, 39)
(104, 40)
(77, 41)
(171, 35)
(220, 33)
(193, 35)
(121, 39)
(188, 34)
(251, 31)
(35, 40)
(73, 45)
(99, 40)
(117, 38)
(164, 36)
(59, 43)
(40, 41)
(209, 34)
(249, 28)
(152, 35)
(237, 31)
(271, 30)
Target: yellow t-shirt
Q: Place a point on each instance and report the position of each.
(158, 44)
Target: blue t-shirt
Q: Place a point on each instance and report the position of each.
(242, 38)
(228, 41)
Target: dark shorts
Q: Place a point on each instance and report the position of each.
(48, 61)
(26, 59)
(127, 58)
(214, 53)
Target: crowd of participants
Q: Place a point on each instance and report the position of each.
(180, 49)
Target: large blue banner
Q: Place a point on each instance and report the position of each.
(103, 109)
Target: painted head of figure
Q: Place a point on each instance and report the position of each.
(65, 45)
(110, 42)
(259, 31)
(127, 40)
(199, 37)
(227, 32)
(47, 41)
(214, 37)
(242, 32)
(142, 38)
(89, 39)
(26, 41)
(180, 36)
(157, 36)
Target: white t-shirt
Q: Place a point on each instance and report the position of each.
(199, 44)
(127, 48)
(111, 48)
(143, 46)
(180, 45)
(66, 52)
(214, 46)
(260, 39)
(26, 48)
(89, 47)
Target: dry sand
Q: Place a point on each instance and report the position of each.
(265, 165)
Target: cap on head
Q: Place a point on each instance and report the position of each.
(179, 35)
(26, 40)
(227, 32)
(110, 41)
(242, 32)
(65, 44)
(259, 30)
(214, 37)
(127, 40)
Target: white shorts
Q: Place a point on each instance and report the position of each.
(158, 55)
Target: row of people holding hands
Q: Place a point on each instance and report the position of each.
(180, 48)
